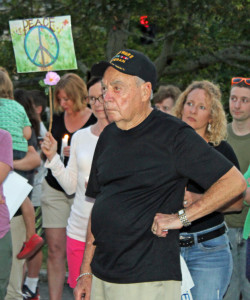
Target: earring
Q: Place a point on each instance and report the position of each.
(209, 127)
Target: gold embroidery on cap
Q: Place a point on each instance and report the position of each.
(118, 59)
(118, 67)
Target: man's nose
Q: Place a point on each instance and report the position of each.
(237, 103)
(107, 95)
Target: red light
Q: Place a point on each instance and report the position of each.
(144, 21)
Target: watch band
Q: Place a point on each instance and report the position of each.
(183, 218)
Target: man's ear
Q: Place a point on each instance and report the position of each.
(146, 91)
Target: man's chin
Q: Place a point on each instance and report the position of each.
(111, 116)
(239, 118)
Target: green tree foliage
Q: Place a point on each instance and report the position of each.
(195, 39)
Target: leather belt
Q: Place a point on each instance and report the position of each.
(189, 240)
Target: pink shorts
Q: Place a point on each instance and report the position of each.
(75, 250)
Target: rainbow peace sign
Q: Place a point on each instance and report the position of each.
(41, 46)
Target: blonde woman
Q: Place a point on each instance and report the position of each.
(204, 244)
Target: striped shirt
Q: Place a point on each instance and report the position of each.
(13, 118)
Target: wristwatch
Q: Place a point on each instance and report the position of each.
(183, 218)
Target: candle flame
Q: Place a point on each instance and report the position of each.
(66, 138)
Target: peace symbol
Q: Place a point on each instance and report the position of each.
(41, 46)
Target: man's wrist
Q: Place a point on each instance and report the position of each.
(183, 218)
(84, 274)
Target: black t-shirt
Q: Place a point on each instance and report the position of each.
(134, 175)
(58, 131)
(214, 218)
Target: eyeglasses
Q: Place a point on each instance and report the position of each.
(91, 99)
(236, 80)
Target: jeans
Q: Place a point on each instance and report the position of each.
(210, 264)
(239, 283)
(248, 260)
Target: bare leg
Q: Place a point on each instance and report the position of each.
(34, 264)
(33, 268)
(29, 218)
(56, 239)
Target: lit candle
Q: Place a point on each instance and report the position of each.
(64, 143)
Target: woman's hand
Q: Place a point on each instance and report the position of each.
(66, 151)
(49, 146)
(190, 198)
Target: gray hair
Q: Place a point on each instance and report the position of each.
(139, 82)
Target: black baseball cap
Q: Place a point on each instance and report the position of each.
(129, 62)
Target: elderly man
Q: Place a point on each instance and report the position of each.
(141, 166)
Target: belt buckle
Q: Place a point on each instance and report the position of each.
(187, 241)
(185, 237)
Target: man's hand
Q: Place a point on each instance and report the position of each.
(49, 146)
(83, 288)
(162, 223)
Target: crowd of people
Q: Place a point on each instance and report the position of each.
(142, 181)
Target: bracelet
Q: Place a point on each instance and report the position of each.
(83, 274)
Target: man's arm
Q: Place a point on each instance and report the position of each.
(83, 286)
(228, 187)
(235, 205)
(31, 160)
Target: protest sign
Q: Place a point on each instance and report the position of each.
(43, 44)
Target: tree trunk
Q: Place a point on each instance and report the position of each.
(117, 37)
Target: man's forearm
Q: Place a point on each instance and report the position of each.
(228, 187)
(89, 251)
(83, 287)
(226, 190)
(235, 205)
